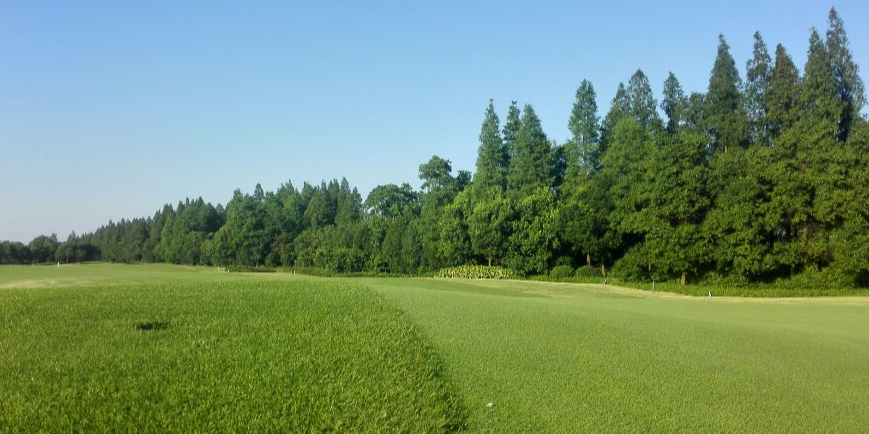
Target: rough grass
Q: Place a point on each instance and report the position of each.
(565, 358)
(753, 290)
(189, 351)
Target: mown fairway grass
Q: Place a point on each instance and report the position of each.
(560, 358)
(224, 353)
(276, 352)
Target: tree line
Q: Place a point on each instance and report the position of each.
(762, 177)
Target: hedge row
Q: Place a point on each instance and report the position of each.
(477, 272)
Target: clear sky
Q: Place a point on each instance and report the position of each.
(111, 109)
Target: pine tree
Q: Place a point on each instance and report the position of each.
(673, 103)
(642, 101)
(757, 83)
(622, 189)
(676, 177)
(694, 113)
(804, 170)
(492, 156)
(583, 153)
(531, 165)
(737, 227)
(847, 73)
(511, 129)
(619, 108)
(782, 99)
(348, 205)
(819, 92)
(725, 119)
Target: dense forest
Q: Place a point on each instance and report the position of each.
(763, 177)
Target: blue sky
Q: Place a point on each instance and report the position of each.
(111, 109)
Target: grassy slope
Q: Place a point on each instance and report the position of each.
(241, 353)
(582, 358)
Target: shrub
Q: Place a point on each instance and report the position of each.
(633, 266)
(587, 272)
(339, 260)
(375, 264)
(561, 272)
(477, 272)
(564, 260)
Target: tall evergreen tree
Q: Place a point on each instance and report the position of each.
(489, 224)
(819, 92)
(531, 166)
(805, 165)
(738, 227)
(642, 101)
(582, 151)
(619, 108)
(782, 99)
(848, 81)
(757, 82)
(694, 113)
(492, 157)
(673, 103)
(676, 175)
(624, 175)
(725, 119)
(348, 204)
(511, 129)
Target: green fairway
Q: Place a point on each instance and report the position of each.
(575, 358)
(275, 352)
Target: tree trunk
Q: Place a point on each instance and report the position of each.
(603, 270)
(684, 279)
(490, 261)
(588, 260)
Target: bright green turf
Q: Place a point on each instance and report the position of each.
(41, 276)
(550, 357)
(571, 358)
(240, 354)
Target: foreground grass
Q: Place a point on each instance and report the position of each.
(563, 358)
(233, 355)
(273, 352)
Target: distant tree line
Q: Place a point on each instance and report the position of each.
(759, 178)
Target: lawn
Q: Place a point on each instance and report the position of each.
(183, 350)
(276, 352)
(561, 358)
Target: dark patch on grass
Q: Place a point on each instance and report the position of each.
(152, 326)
